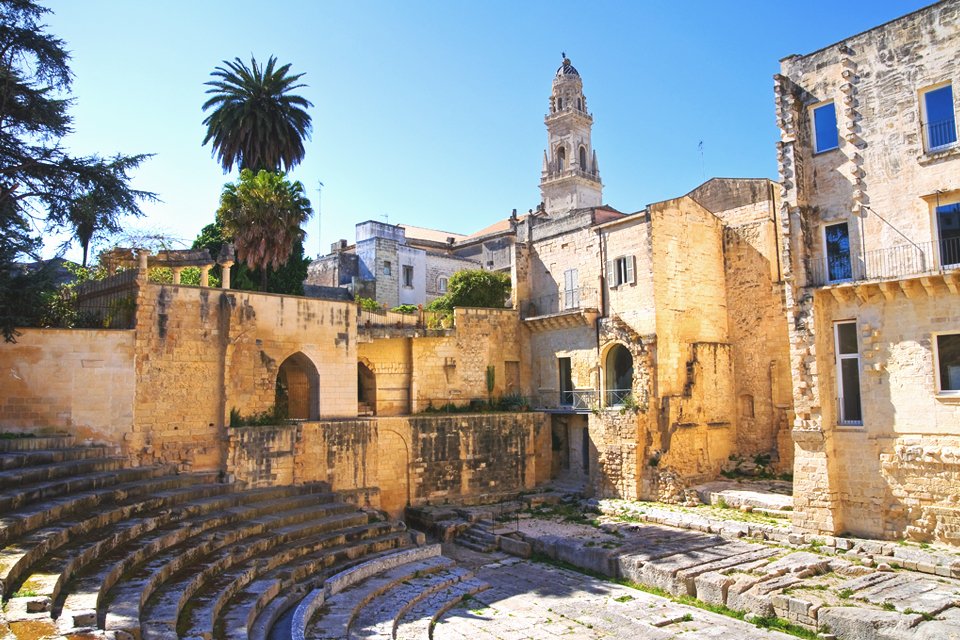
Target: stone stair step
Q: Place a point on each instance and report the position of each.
(416, 623)
(20, 459)
(31, 444)
(17, 498)
(379, 618)
(22, 477)
(326, 547)
(299, 582)
(139, 583)
(88, 591)
(207, 589)
(72, 543)
(39, 514)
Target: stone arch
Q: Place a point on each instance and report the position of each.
(618, 374)
(561, 158)
(393, 471)
(583, 158)
(366, 387)
(298, 388)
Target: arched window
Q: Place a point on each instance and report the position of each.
(579, 104)
(298, 388)
(619, 376)
(559, 104)
(583, 158)
(561, 158)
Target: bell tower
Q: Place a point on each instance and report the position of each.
(570, 178)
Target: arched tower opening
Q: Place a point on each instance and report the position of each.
(366, 390)
(298, 388)
(583, 158)
(561, 158)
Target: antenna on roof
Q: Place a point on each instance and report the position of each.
(386, 217)
(703, 167)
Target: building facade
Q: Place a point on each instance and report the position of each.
(870, 175)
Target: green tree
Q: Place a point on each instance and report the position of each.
(40, 182)
(474, 288)
(257, 122)
(262, 213)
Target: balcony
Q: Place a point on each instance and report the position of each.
(572, 401)
(940, 257)
(940, 136)
(566, 309)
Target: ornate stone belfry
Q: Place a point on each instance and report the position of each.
(570, 178)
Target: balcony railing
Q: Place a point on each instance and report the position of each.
(393, 320)
(574, 400)
(940, 135)
(618, 397)
(893, 262)
(569, 300)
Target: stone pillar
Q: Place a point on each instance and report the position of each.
(142, 255)
(176, 274)
(225, 270)
(204, 276)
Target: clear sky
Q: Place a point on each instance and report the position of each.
(431, 113)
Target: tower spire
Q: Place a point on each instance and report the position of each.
(569, 179)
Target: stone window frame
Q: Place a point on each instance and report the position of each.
(940, 392)
(852, 254)
(838, 383)
(935, 201)
(407, 275)
(922, 104)
(629, 274)
(442, 284)
(811, 111)
(387, 268)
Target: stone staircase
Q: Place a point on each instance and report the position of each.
(479, 536)
(93, 548)
(398, 596)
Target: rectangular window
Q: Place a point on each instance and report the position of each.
(836, 238)
(571, 294)
(442, 284)
(386, 268)
(566, 382)
(940, 123)
(621, 271)
(947, 358)
(948, 230)
(407, 275)
(848, 373)
(825, 136)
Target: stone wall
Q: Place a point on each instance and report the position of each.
(202, 353)
(68, 380)
(411, 460)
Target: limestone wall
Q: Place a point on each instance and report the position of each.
(204, 352)
(68, 380)
(412, 460)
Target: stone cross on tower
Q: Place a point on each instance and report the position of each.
(570, 178)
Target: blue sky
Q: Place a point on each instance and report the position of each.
(431, 113)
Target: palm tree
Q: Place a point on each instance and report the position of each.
(263, 212)
(256, 122)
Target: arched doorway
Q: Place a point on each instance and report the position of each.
(366, 390)
(298, 388)
(619, 375)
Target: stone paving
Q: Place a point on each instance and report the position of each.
(535, 601)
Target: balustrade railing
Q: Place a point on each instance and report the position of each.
(891, 262)
(618, 397)
(383, 319)
(570, 400)
(940, 135)
(567, 300)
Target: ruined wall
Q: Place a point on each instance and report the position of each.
(68, 380)
(391, 361)
(204, 352)
(411, 460)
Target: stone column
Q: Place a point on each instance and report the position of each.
(225, 270)
(204, 276)
(176, 274)
(142, 255)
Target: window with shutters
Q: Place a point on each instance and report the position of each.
(620, 271)
(571, 294)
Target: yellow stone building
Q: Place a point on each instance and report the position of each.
(870, 175)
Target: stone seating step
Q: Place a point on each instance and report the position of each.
(86, 592)
(19, 459)
(204, 589)
(340, 611)
(213, 613)
(265, 608)
(380, 617)
(74, 540)
(17, 498)
(22, 477)
(31, 444)
(39, 514)
(415, 623)
(234, 529)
